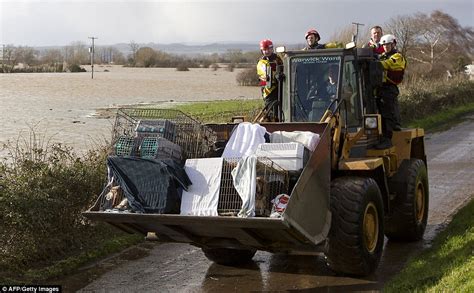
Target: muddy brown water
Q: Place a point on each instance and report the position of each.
(67, 103)
(65, 107)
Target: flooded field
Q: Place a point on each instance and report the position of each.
(64, 105)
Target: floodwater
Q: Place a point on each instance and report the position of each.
(64, 107)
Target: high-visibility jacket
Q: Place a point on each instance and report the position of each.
(394, 65)
(266, 70)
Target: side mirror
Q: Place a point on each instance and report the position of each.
(350, 45)
(281, 49)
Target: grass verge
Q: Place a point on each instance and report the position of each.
(221, 111)
(447, 266)
(443, 120)
(72, 263)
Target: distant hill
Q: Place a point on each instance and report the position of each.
(185, 49)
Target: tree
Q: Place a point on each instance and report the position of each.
(76, 53)
(109, 55)
(439, 36)
(25, 55)
(134, 47)
(9, 58)
(51, 56)
(404, 28)
(234, 56)
(145, 57)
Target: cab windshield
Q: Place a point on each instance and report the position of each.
(313, 86)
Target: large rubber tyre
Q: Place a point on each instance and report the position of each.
(355, 241)
(228, 256)
(409, 216)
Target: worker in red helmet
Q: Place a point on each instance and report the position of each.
(312, 38)
(268, 66)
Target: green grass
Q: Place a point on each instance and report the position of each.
(444, 119)
(72, 263)
(221, 111)
(447, 266)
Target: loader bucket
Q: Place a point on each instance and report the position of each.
(303, 226)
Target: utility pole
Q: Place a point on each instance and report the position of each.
(356, 36)
(92, 51)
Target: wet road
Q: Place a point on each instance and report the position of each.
(153, 267)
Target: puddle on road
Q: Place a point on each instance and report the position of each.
(91, 272)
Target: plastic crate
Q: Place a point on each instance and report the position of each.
(160, 127)
(159, 148)
(125, 146)
(289, 156)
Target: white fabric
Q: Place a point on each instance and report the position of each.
(202, 196)
(244, 140)
(244, 176)
(307, 138)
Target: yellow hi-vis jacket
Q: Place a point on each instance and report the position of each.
(266, 71)
(394, 65)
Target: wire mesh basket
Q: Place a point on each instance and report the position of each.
(271, 179)
(194, 139)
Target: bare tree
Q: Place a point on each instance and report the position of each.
(234, 56)
(109, 55)
(404, 28)
(439, 36)
(76, 53)
(51, 56)
(9, 58)
(134, 47)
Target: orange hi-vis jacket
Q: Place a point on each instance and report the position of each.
(394, 65)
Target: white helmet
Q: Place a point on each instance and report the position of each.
(387, 39)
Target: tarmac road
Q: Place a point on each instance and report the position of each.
(153, 267)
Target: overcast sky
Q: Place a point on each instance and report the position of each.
(42, 23)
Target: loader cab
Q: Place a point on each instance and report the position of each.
(318, 80)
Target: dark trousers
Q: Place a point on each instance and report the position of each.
(273, 96)
(387, 103)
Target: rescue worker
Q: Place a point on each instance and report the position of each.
(374, 42)
(268, 67)
(312, 38)
(394, 65)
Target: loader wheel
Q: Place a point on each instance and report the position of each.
(229, 256)
(355, 241)
(410, 207)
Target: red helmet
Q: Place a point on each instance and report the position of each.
(312, 32)
(264, 44)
